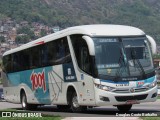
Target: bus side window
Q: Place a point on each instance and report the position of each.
(58, 52)
(15, 62)
(82, 53)
(7, 63)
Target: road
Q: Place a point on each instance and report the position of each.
(107, 111)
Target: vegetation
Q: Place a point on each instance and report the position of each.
(22, 39)
(150, 118)
(25, 34)
(139, 13)
(156, 56)
(31, 118)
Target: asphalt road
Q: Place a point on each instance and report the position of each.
(107, 111)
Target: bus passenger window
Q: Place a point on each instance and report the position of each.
(61, 49)
(58, 52)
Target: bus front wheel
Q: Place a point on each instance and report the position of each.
(124, 108)
(75, 107)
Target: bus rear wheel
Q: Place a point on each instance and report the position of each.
(25, 105)
(124, 108)
(75, 107)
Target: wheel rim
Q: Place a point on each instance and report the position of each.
(75, 102)
(23, 102)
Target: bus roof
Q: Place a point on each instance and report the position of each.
(90, 30)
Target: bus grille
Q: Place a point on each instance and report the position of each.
(128, 90)
(136, 97)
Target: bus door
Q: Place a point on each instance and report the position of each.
(83, 72)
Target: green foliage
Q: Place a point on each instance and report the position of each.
(64, 13)
(32, 118)
(43, 32)
(26, 35)
(150, 118)
(156, 56)
(26, 30)
(22, 39)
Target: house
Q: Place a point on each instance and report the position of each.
(56, 29)
(12, 34)
(24, 23)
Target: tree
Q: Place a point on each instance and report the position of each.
(43, 33)
(26, 30)
(22, 39)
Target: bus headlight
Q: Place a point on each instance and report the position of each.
(153, 84)
(103, 87)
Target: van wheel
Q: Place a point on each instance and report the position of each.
(25, 105)
(75, 107)
(124, 108)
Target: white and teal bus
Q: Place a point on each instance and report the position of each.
(82, 66)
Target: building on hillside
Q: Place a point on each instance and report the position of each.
(56, 29)
(12, 34)
(24, 23)
(156, 63)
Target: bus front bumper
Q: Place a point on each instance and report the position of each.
(110, 98)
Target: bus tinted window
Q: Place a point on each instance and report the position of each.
(7, 63)
(52, 53)
(58, 52)
(36, 57)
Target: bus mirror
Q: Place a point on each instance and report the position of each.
(153, 44)
(90, 44)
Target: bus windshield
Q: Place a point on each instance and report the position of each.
(122, 57)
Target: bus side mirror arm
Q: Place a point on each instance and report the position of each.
(153, 44)
(90, 44)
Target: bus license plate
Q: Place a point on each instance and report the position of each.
(132, 102)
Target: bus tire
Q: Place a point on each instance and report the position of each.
(75, 107)
(25, 105)
(124, 108)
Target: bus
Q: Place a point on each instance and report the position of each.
(82, 67)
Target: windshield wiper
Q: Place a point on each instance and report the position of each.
(133, 56)
(122, 64)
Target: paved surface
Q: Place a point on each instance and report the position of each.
(107, 111)
(7, 105)
(99, 113)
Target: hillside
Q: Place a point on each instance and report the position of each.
(144, 14)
